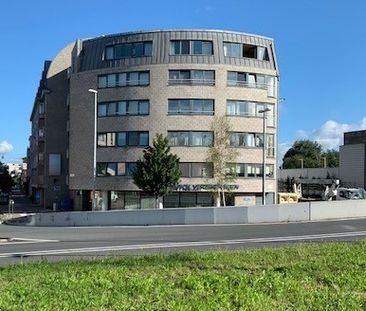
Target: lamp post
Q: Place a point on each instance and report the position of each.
(94, 205)
(264, 111)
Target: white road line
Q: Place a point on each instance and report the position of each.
(181, 244)
(16, 241)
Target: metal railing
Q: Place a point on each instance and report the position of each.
(257, 85)
(191, 81)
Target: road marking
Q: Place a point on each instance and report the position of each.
(168, 245)
(15, 241)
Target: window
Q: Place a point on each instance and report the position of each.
(190, 138)
(191, 47)
(132, 78)
(253, 80)
(232, 49)
(191, 106)
(185, 169)
(201, 169)
(251, 140)
(249, 51)
(247, 170)
(196, 169)
(41, 108)
(245, 79)
(123, 108)
(188, 199)
(245, 50)
(192, 77)
(270, 145)
(115, 168)
(128, 50)
(257, 52)
(250, 109)
(54, 164)
(123, 139)
(131, 167)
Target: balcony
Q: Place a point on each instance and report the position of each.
(208, 82)
(271, 90)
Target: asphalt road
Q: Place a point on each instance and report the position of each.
(22, 244)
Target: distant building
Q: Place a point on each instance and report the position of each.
(172, 82)
(352, 160)
(15, 169)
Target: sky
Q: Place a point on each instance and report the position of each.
(319, 46)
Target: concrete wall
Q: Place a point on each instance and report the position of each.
(209, 215)
(338, 209)
(323, 173)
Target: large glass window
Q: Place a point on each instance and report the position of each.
(193, 47)
(185, 169)
(245, 50)
(191, 106)
(246, 79)
(196, 169)
(111, 169)
(250, 140)
(191, 77)
(123, 108)
(132, 78)
(232, 49)
(248, 170)
(122, 139)
(188, 199)
(250, 109)
(131, 167)
(190, 138)
(128, 50)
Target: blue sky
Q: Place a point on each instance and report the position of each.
(320, 48)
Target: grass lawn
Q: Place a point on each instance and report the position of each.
(329, 276)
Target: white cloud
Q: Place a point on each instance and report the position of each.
(329, 135)
(5, 147)
(282, 149)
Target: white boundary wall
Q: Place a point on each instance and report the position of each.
(203, 215)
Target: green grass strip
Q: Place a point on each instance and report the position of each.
(324, 276)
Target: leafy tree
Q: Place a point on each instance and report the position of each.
(309, 154)
(6, 182)
(158, 171)
(332, 158)
(220, 154)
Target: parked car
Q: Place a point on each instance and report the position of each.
(4, 198)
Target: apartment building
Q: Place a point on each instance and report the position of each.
(169, 81)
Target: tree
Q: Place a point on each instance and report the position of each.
(6, 182)
(158, 172)
(332, 158)
(309, 154)
(220, 154)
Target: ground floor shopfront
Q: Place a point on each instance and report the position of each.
(117, 200)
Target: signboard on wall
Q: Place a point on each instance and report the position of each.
(203, 187)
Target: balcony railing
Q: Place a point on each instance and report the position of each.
(257, 85)
(271, 91)
(191, 82)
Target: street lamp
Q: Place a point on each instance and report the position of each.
(264, 111)
(94, 205)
